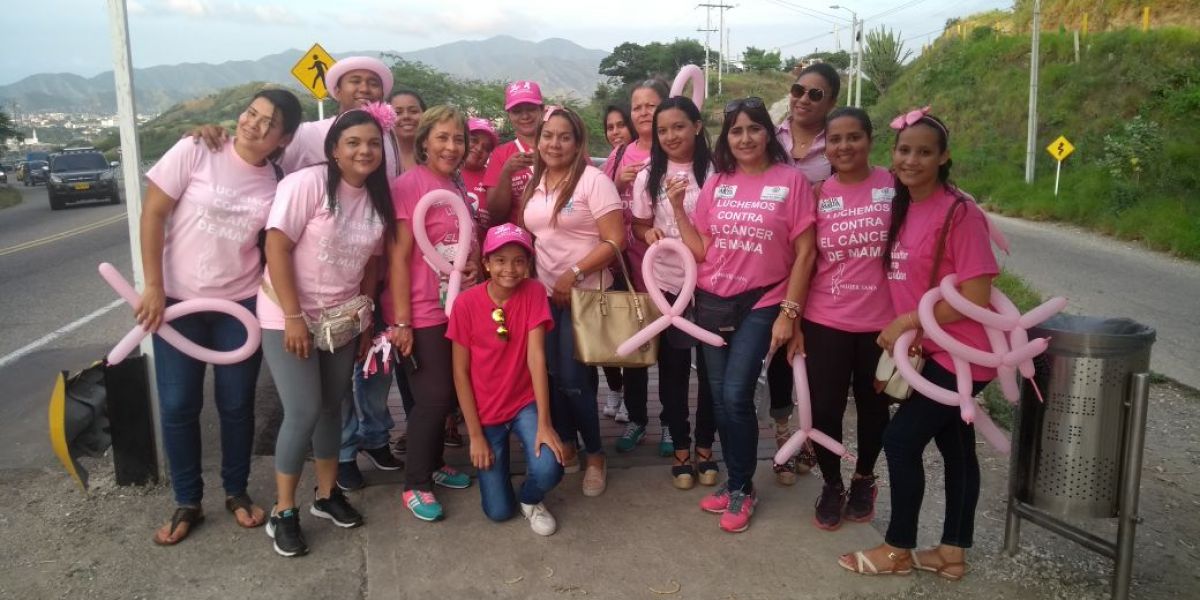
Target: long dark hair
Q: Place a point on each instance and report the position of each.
(701, 155)
(290, 111)
(407, 92)
(903, 199)
(376, 184)
(757, 111)
(625, 118)
(578, 164)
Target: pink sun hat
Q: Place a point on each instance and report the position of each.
(475, 124)
(506, 233)
(356, 63)
(522, 92)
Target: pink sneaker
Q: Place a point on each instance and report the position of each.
(716, 502)
(736, 518)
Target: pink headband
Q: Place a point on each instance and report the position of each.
(383, 114)
(908, 119)
(549, 112)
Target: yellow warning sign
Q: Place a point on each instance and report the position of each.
(310, 71)
(1060, 148)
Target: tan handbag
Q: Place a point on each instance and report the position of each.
(604, 319)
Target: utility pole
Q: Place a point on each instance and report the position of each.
(721, 28)
(858, 76)
(1031, 134)
(854, 89)
(708, 29)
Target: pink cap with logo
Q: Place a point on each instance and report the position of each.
(522, 92)
(506, 233)
(476, 124)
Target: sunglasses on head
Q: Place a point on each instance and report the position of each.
(501, 326)
(814, 94)
(752, 102)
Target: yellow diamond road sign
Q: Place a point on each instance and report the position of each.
(310, 71)
(1060, 148)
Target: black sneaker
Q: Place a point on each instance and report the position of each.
(860, 504)
(829, 506)
(337, 509)
(284, 528)
(400, 446)
(454, 438)
(349, 478)
(383, 459)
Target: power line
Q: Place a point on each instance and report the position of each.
(894, 9)
(820, 16)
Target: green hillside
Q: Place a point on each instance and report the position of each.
(1129, 106)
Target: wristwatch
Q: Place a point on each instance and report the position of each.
(579, 274)
(789, 312)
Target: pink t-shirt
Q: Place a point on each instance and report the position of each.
(331, 248)
(635, 249)
(849, 290)
(520, 178)
(476, 191)
(814, 165)
(559, 246)
(667, 269)
(968, 253)
(750, 224)
(308, 148)
(221, 203)
(427, 286)
(500, 375)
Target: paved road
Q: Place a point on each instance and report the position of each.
(1104, 276)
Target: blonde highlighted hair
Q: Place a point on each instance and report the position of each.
(433, 116)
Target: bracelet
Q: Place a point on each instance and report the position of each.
(295, 316)
(789, 304)
(402, 325)
(912, 318)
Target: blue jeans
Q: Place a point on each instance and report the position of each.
(181, 396)
(543, 472)
(573, 386)
(366, 421)
(732, 376)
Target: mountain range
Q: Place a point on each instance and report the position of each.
(561, 66)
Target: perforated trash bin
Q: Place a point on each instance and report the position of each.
(1069, 458)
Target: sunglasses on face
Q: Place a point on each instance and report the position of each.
(501, 326)
(814, 94)
(752, 102)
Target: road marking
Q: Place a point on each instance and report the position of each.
(63, 235)
(57, 333)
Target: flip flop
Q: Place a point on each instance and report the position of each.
(192, 515)
(243, 502)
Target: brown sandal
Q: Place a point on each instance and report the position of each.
(243, 502)
(901, 563)
(943, 569)
(190, 515)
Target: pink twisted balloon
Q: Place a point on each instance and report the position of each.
(462, 251)
(672, 314)
(696, 76)
(172, 336)
(803, 400)
(1007, 356)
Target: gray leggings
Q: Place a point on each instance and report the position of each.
(311, 392)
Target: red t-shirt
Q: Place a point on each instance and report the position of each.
(491, 177)
(500, 375)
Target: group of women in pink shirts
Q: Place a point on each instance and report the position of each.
(804, 249)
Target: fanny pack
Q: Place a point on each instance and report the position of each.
(723, 315)
(336, 326)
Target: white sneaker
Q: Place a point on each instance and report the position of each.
(622, 415)
(611, 402)
(540, 519)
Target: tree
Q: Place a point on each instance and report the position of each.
(480, 98)
(883, 58)
(760, 60)
(840, 59)
(632, 63)
(7, 129)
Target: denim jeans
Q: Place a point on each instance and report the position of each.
(181, 396)
(366, 421)
(732, 376)
(573, 385)
(917, 421)
(542, 472)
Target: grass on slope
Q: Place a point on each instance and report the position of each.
(9, 197)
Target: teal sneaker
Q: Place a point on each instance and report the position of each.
(450, 478)
(666, 445)
(423, 505)
(631, 438)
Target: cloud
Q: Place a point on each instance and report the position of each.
(454, 17)
(270, 14)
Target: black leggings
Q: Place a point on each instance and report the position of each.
(780, 384)
(836, 361)
(674, 373)
(434, 376)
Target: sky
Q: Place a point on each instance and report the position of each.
(73, 36)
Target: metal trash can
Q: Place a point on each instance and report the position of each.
(1071, 451)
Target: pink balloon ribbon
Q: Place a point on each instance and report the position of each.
(696, 76)
(462, 250)
(803, 400)
(672, 314)
(172, 336)
(1009, 355)
(382, 348)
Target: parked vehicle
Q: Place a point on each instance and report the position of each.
(36, 172)
(80, 174)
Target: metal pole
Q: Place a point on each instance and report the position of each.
(1131, 481)
(1031, 133)
(858, 83)
(1016, 477)
(1057, 176)
(850, 71)
(320, 109)
(131, 170)
(721, 59)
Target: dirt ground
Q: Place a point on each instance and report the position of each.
(58, 543)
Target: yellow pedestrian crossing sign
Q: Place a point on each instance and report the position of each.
(1060, 148)
(310, 71)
